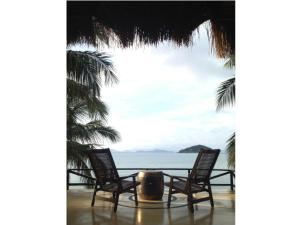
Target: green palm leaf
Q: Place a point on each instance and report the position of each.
(76, 90)
(94, 131)
(90, 107)
(230, 148)
(226, 93)
(77, 158)
(87, 68)
(98, 129)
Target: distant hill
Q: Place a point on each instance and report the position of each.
(194, 149)
(155, 151)
(144, 151)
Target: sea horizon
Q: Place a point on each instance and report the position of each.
(161, 160)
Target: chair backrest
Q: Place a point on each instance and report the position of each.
(204, 165)
(103, 165)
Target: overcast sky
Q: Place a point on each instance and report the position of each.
(166, 97)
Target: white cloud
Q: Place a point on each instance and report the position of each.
(166, 97)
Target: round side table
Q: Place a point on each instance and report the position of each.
(152, 185)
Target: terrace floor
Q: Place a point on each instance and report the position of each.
(79, 211)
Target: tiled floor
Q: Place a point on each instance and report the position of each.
(79, 211)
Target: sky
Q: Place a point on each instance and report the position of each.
(166, 97)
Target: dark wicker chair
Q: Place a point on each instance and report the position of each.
(107, 177)
(197, 180)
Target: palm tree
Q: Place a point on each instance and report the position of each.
(86, 113)
(226, 97)
(83, 135)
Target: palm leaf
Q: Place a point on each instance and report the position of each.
(226, 93)
(87, 68)
(230, 148)
(76, 90)
(98, 129)
(91, 107)
(77, 158)
(93, 131)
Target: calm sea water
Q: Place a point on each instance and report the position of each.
(162, 160)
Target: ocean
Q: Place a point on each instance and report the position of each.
(162, 160)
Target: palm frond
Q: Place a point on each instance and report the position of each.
(90, 107)
(78, 132)
(226, 93)
(98, 129)
(230, 148)
(87, 68)
(96, 108)
(76, 90)
(93, 131)
(77, 158)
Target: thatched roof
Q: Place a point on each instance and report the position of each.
(151, 22)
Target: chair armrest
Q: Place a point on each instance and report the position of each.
(132, 175)
(168, 175)
(180, 177)
(122, 178)
(176, 177)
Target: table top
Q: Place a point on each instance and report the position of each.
(150, 173)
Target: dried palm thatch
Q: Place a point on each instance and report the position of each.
(222, 38)
(150, 23)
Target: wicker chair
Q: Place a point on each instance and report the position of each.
(197, 180)
(107, 177)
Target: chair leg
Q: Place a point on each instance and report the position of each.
(210, 195)
(95, 190)
(169, 197)
(116, 200)
(135, 196)
(190, 202)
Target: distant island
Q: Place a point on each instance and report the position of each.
(144, 151)
(194, 149)
(154, 151)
